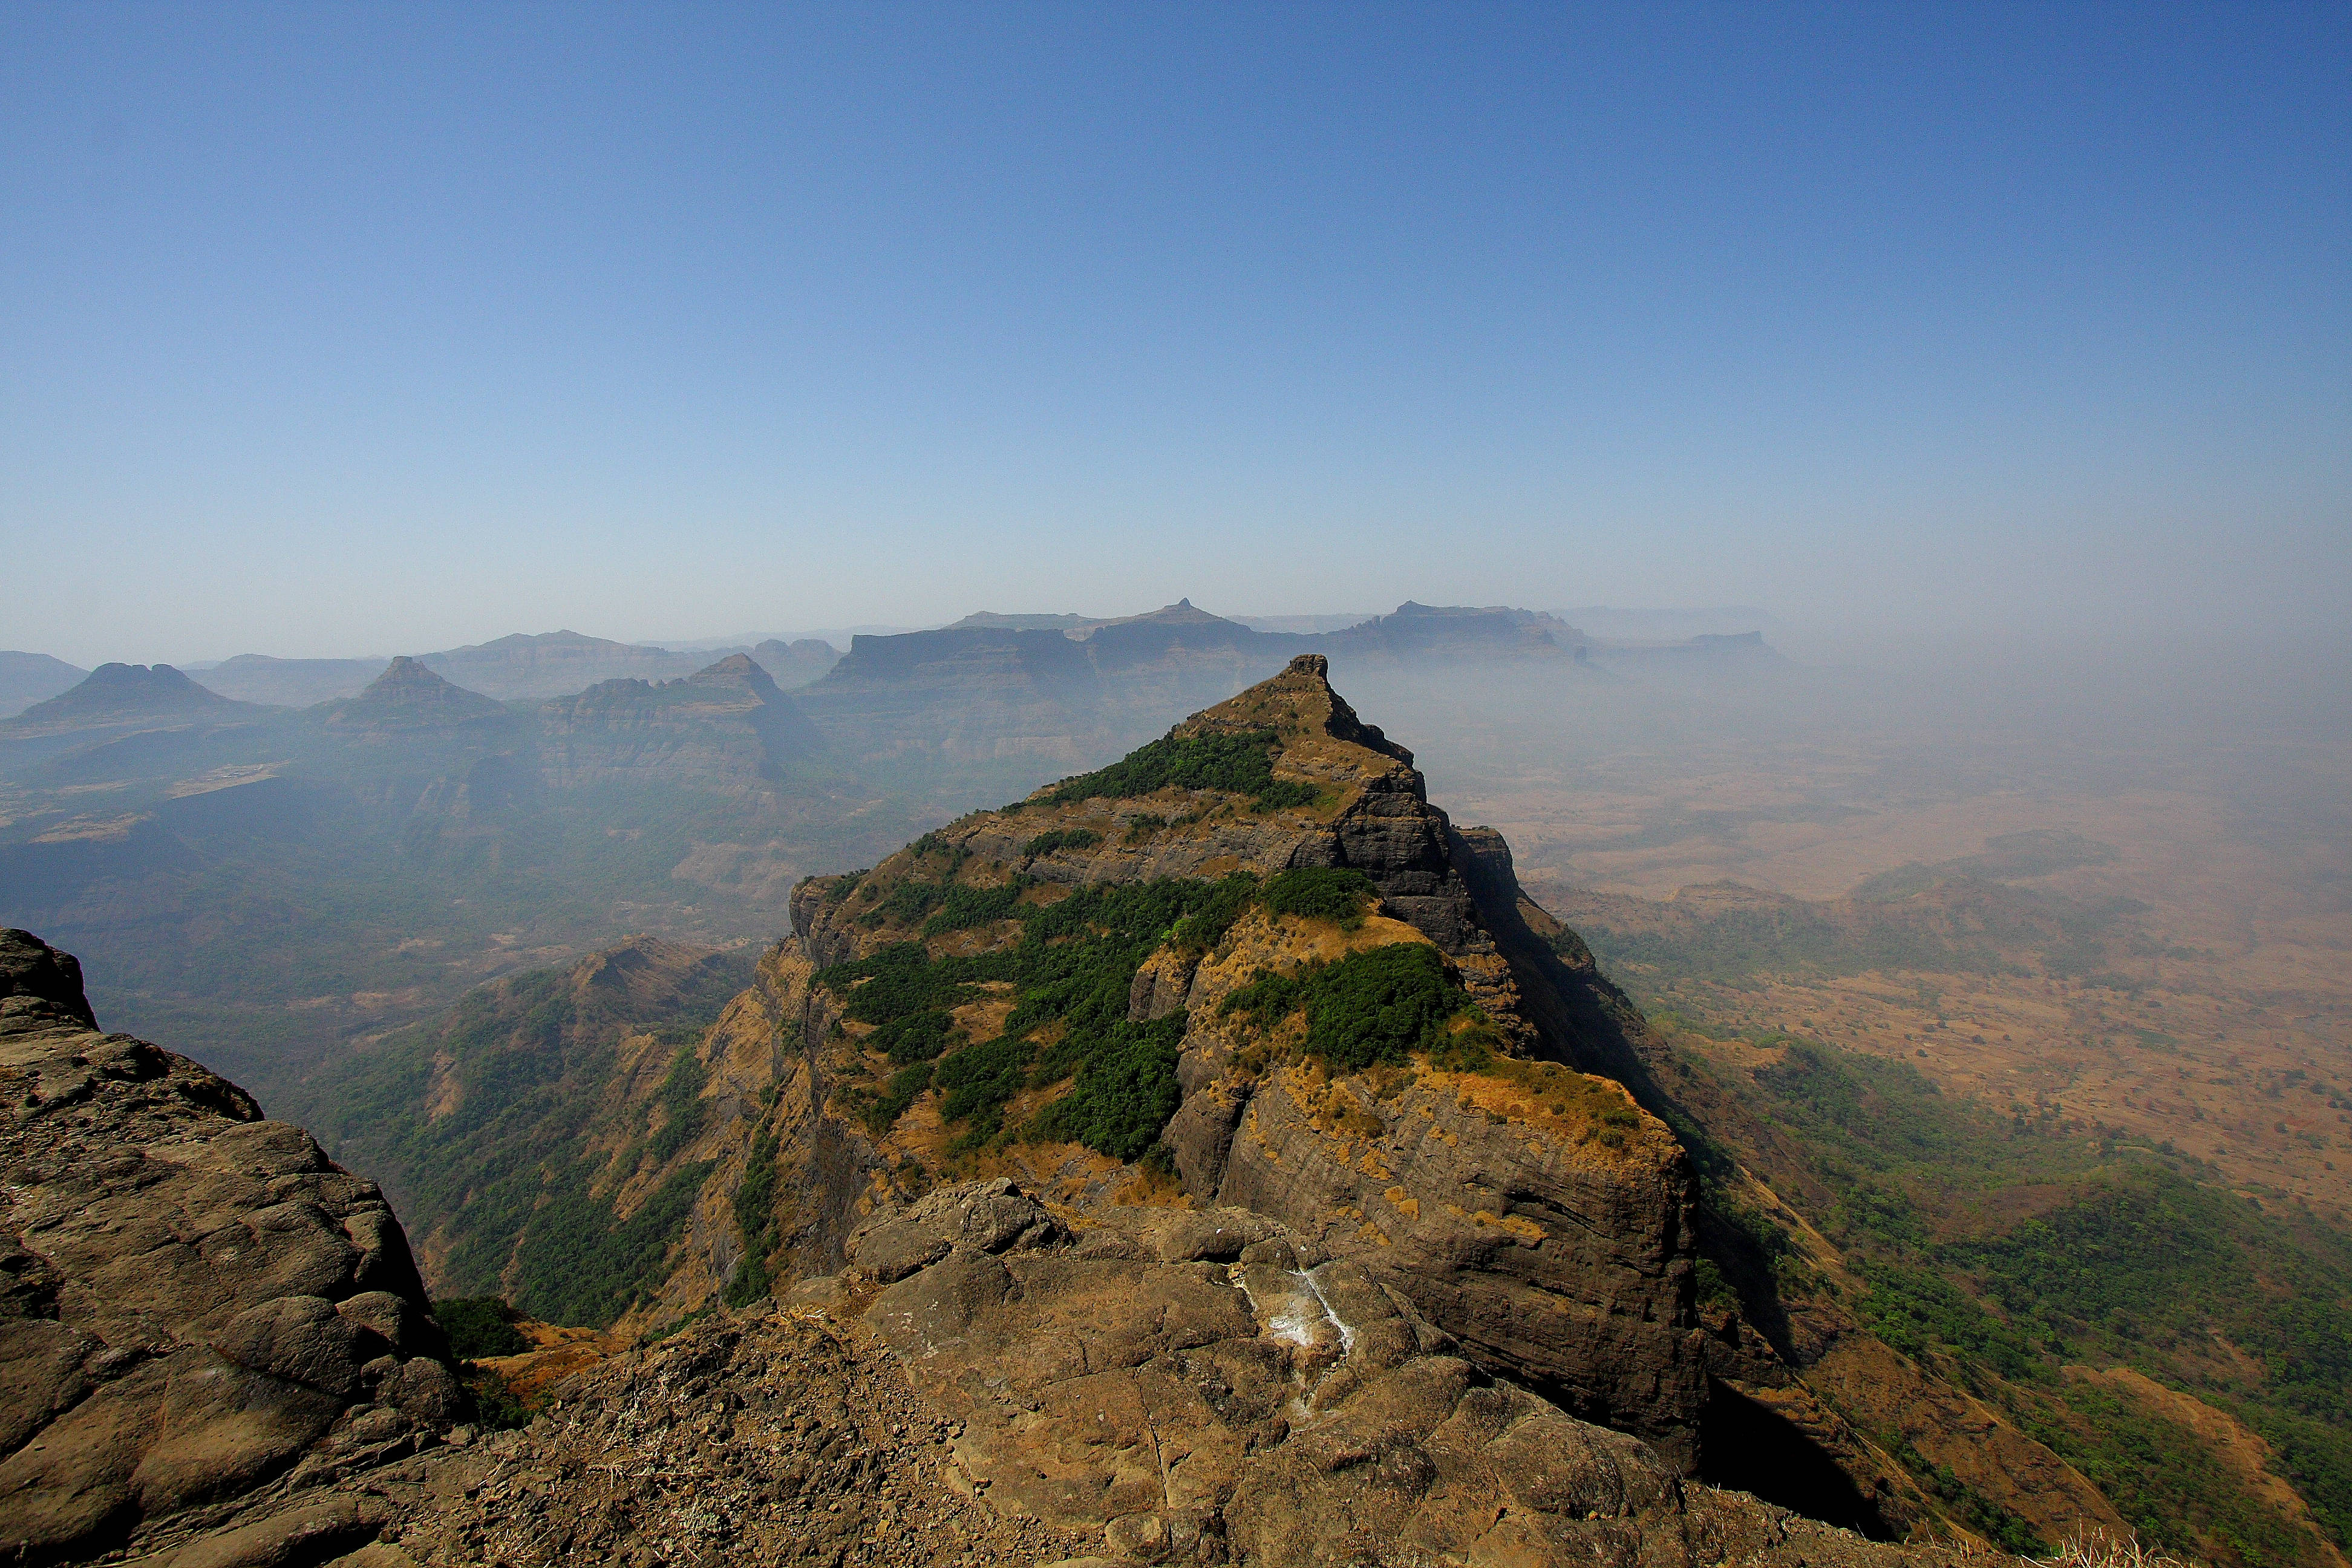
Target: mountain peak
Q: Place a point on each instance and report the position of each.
(1296, 704)
(410, 693)
(738, 668)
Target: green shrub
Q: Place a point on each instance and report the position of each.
(479, 1327)
(979, 1080)
(917, 1038)
(755, 1220)
(1072, 971)
(1321, 892)
(581, 1264)
(1124, 1094)
(1377, 1006)
(965, 907)
(1206, 926)
(1238, 764)
(680, 1099)
(898, 1093)
(495, 1404)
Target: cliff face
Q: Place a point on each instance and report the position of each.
(194, 1303)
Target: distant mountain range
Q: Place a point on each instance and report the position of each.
(512, 668)
(534, 668)
(275, 856)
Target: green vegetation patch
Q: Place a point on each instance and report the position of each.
(756, 1221)
(525, 1061)
(680, 1100)
(1235, 764)
(1321, 892)
(479, 1327)
(2136, 1264)
(1071, 972)
(1377, 1006)
(581, 1263)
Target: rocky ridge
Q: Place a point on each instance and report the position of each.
(1492, 1202)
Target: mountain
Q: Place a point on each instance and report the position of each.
(1457, 633)
(115, 698)
(1666, 626)
(553, 664)
(265, 884)
(727, 726)
(1707, 652)
(988, 620)
(1249, 972)
(408, 695)
(29, 678)
(1001, 692)
(796, 663)
(289, 682)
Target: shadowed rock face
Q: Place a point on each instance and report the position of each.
(194, 1301)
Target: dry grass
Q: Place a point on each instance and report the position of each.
(2094, 1547)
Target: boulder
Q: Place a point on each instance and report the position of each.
(191, 1296)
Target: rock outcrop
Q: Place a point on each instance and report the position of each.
(194, 1303)
(984, 1384)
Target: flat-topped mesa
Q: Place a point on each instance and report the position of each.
(1320, 1023)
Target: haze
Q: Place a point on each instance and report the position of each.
(350, 330)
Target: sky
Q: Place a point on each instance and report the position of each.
(337, 330)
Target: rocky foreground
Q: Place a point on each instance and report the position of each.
(195, 1303)
(983, 1385)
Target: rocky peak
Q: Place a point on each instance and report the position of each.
(1475, 1192)
(1297, 705)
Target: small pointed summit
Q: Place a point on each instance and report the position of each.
(410, 694)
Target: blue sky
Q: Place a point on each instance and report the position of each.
(342, 329)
